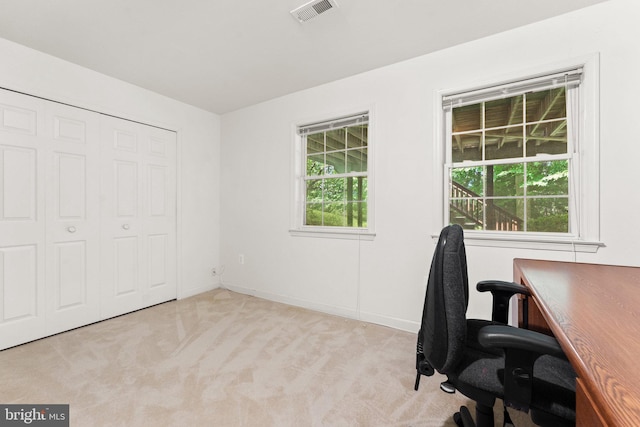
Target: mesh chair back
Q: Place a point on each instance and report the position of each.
(444, 326)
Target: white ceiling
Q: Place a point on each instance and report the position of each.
(221, 55)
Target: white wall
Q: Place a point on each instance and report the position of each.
(382, 280)
(35, 73)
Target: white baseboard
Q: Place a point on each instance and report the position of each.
(324, 308)
(392, 322)
(401, 324)
(186, 293)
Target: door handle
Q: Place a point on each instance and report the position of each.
(125, 226)
(71, 229)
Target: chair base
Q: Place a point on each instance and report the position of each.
(484, 417)
(463, 418)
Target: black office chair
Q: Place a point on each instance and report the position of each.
(488, 360)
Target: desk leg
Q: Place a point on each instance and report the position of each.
(535, 321)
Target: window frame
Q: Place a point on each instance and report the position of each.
(585, 165)
(298, 189)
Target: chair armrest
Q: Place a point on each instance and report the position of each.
(522, 348)
(502, 293)
(508, 337)
(502, 286)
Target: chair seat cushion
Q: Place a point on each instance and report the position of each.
(554, 387)
(480, 376)
(479, 373)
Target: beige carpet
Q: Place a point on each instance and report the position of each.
(226, 359)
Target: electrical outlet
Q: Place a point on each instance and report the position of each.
(241, 258)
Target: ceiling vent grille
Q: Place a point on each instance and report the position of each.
(312, 9)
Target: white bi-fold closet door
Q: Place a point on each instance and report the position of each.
(87, 217)
(139, 216)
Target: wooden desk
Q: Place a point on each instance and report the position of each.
(594, 312)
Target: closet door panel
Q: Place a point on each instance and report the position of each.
(126, 190)
(70, 185)
(138, 216)
(22, 219)
(158, 248)
(70, 276)
(19, 190)
(159, 161)
(121, 221)
(19, 114)
(87, 217)
(126, 268)
(158, 190)
(73, 217)
(71, 129)
(19, 282)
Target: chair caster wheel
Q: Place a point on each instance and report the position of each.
(463, 418)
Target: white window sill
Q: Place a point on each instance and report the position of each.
(333, 233)
(528, 241)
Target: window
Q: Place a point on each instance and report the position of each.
(512, 159)
(334, 174)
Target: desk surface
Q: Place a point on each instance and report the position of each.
(594, 312)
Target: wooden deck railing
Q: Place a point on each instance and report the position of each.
(470, 206)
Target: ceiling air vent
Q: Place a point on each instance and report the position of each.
(312, 9)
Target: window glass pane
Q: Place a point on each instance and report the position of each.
(313, 214)
(548, 215)
(467, 118)
(336, 139)
(505, 215)
(508, 180)
(357, 214)
(357, 189)
(547, 138)
(503, 143)
(546, 104)
(503, 112)
(520, 195)
(335, 189)
(467, 182)
(336, 163)
(357, 160)
(336, 202)
(314, 190)
(465, 208)
(331, 199)
(315, 143)
(357, 136)
(466, 147)
(468, 213)
(335, 214)
(548, 178)
(315, 165)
